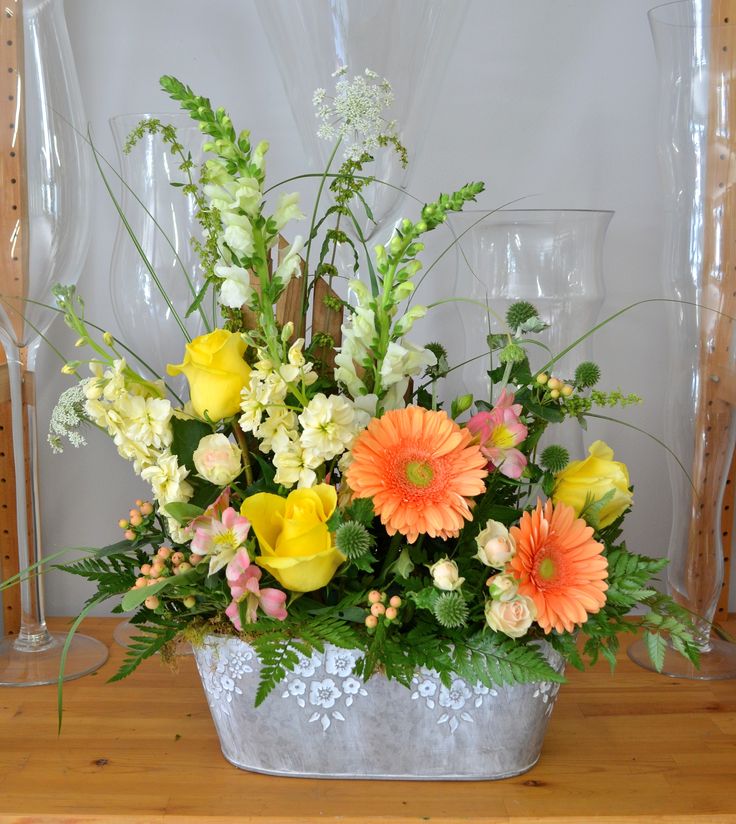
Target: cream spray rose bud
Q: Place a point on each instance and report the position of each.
(217, 460)
(445, 574)
(495, 546)
(512, 618)
(503, 587)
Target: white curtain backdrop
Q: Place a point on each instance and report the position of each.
(552, 101)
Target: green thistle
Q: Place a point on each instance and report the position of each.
(450, 610)
(442, 367)
(353, 540)
(519, 313)
(555, 458)
(587, 374)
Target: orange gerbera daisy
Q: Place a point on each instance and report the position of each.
(420, 470)
(559, 566)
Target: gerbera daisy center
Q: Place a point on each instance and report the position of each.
(546, 569)
(419, 473)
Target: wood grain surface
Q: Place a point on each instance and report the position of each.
(627, 747)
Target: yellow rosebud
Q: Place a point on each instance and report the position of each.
(214, 366)
(595, 477)
(296, 545)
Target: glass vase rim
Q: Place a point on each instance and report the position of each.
(118, 118)
(502, 211)
(657, 16)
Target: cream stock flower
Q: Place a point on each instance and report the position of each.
(277, 429)
(217, 460)
(294, 466)
(328, 425)
(146, 420)
(167, 480)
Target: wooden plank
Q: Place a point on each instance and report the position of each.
(13, 265)
(624, 748)
(716, 398)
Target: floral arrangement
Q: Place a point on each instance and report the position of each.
(314, 488)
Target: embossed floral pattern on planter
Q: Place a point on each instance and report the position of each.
(503, 725)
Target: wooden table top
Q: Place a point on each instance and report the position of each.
(632, 746)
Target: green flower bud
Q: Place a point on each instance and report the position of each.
(512, 353)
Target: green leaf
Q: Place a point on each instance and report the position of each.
(187, 433)
(65, 651)
(656, 647)
(182, 513)
(135, 597)
(143, 646)
(361, 510)
(552, 414)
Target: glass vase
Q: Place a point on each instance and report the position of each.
(408, 42)
(163, 219)
(552, 258)
(695, 46)
(46, 245)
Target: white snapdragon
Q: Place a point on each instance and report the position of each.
(328, 427)
(290, 266)
(238, 235)
(235, 290)
(404, 360)
(167, 480)
(287, 208)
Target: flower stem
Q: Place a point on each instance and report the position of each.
(243, 444)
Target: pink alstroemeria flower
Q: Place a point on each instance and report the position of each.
(220, 537)
(243, 579)
(499, 431)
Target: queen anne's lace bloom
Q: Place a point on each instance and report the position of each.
(355, 113)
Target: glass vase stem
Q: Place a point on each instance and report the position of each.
(33, 634)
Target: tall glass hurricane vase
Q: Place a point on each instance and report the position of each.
(408, 42)
(695, 45)
(47, 245)
(552, 258)
(163, 220)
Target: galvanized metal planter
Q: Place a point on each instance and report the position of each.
(322, 722)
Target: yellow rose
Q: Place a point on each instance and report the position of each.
(292, 533)
(214, 366)
(595, 477)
